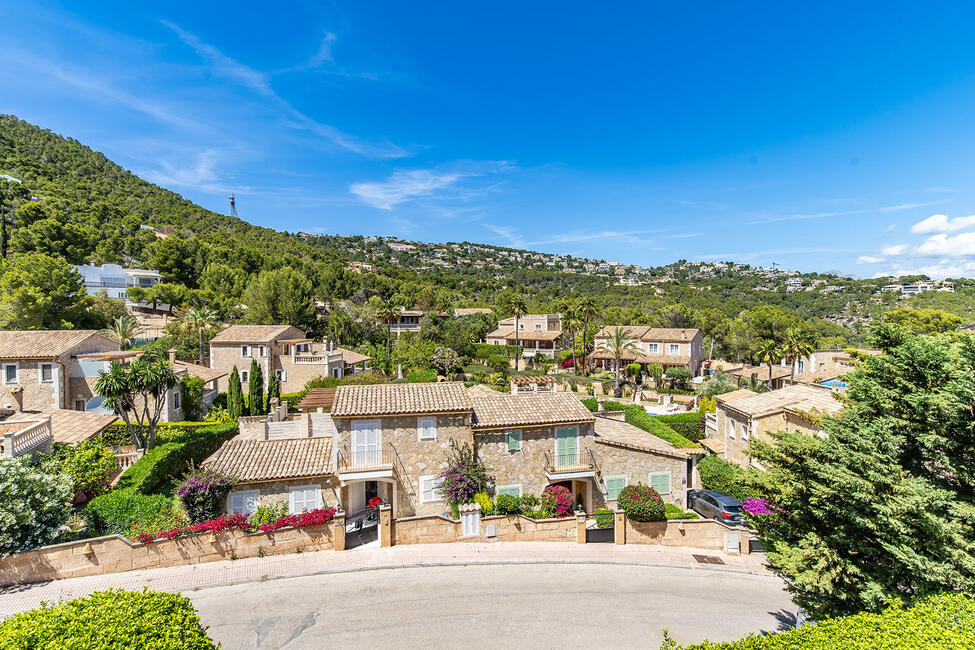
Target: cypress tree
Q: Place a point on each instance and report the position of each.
(255, 390)
(235, 397)
(273, 388)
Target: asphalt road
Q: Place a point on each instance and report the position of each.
(505, 606)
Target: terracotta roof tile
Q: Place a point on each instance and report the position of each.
(250, 334)
(47, 344)
(201, 372)
(791, 398)
(318, 398)
(270, 460)
(652, 334)
(77, 426)
(400, 399)
(528, 409)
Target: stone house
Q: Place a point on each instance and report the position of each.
(542, 343)
(780, 374)
(533, 323)
(742, 415)
(297, 471)
(670, 347)
(283, 350)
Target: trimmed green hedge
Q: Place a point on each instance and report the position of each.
(118, 434)
(485, 350)
(638, 417)
(133, 498)
(110, 619)
(673, 512)
(686, 424)
(942, 621)
(721, 476)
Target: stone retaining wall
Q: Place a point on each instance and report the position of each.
(113, 554)
(696, 533)
(437, 529)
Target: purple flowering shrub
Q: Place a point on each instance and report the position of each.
(203, 493)
(756, 506)
(557, 502)
(465, 474)
(445, 360)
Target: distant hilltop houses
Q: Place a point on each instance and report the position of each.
(114, 281)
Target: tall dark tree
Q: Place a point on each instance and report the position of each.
(9, 192)
(235, 395)
(255, 389)
(881, 506)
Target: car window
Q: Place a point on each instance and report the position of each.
(734, 509)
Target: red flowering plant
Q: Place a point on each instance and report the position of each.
(641, 503)
(241, 522)
(374, 502)
(557, 501)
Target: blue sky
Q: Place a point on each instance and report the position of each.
(834, 136)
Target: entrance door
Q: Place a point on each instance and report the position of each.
(566, 448)
(357, 497)
(365, 443)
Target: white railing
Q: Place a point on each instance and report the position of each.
(34, 437)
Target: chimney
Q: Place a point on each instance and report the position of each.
(172, 355)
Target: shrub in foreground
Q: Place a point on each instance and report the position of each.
(557, 501)
(505, 504)
(604, 518)
(945, 621)
(641, 503)
(33, 505)
(203, 493)
(148, 620)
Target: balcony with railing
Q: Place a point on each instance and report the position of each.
(580, 464)
(27, 436)
(367, 463)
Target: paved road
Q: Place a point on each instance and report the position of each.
(505, 606)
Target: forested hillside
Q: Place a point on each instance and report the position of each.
(73, 205)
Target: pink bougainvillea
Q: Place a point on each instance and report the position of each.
(557, 501)
(242, 522)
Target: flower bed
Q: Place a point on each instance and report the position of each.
(242, 522)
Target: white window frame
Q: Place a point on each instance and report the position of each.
(674, 348)
(424, 426)
(40, 373)
(670, 482)
(438, 496)
(245, 351)
(744, 432)
(293, 508)
(281, 374)
(538, 327)
(610, 478)
(261, 351)
(498, 489)
(521, 440)
(653, 348)
(16, 367)
(243, 376)
(732, 429)
(177, 400)
(255, 494)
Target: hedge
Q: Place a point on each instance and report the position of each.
(941, 621)
(485, 350)
(115, 618)
(118, 434)
(638, 417)
(685, 424)
(721, 476)
(133, 499)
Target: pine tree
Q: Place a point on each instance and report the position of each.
(255, 390)
(879, 507)
(235, 396)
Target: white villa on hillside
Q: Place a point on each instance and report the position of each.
(115, 280)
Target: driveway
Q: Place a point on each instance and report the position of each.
(501, 606)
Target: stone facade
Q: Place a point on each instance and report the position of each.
(411, 457)
(280, 491)
(696, 533)
(736, 444)
(115, 553)
(637, 466)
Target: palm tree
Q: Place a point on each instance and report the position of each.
(517, 307)
(589, 310)
(619, 344)
(388, 312)
(199, 320)
(571, 323)
(769, 352)
(798, 344)
(123, 329)
(718, 384)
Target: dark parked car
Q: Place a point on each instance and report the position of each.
(716, 505)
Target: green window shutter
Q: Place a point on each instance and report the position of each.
(566, 443)
(510, 490)
(615, 485)
(660, 481)
(514, 440)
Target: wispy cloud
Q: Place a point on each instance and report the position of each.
(870, 259)
(896, 249)
(408, 185)
(324, 54)
(846, 213)
(260, 83)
